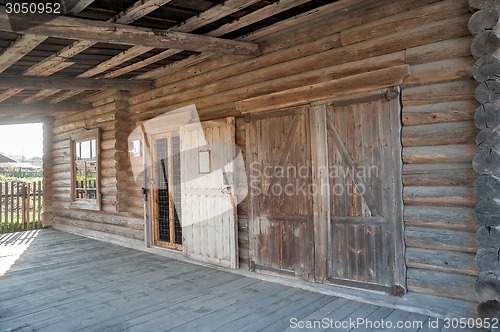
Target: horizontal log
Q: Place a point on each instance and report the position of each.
(485, 43)
(488, 92)
(360, 83)
(487, 187)
(129, 222)
(401, 21)
(439, 196)
(438, 239)
(462, 153)
(487, 162)
(440, 50)
(462, 110)
(486, 68)
(73, 83)
(489, 309)
(487, 212)
(440, 92)
(488, 286)
(482, 20)
(98, 31)
(444, 261)
(289, 60)
(451, 285)
(488, 259)
(439, 134)
(487, 116)
(440, 71)
(110, 229)
(438, 174)
(488, 237)
(454, 218)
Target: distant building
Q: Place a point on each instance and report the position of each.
(5, 159)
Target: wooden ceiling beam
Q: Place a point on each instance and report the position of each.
(46, 109)
(37, 83)
(83, 29)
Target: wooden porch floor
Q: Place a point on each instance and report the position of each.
(55, 281)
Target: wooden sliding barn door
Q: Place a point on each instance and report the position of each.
(364, 166)
(208, 204)
(280, 224)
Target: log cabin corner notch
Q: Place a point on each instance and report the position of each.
(319, 85)
(485, 47)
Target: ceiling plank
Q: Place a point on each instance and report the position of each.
(9, 93)
(18, 49)
(37, 83)
(143, 63)
(40, 95)
(59, 57)
(64, 96)
(138, 10)
(213, 14)
(256, 16)
(83, 29)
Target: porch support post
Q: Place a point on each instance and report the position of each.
(484, 24)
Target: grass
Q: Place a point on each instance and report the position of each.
(11, 227)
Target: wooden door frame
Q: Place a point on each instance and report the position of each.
(155, 241)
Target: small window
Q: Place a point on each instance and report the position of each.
(85, 188)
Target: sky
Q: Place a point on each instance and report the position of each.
(26, 139)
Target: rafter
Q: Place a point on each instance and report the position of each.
(35, 41)
(138, 10)
(18, 49)
(210, 15)
(35, 83)
(256, 16)
(76, 28)
(9, 93)
(40, 96)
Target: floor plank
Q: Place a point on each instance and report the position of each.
(55, 281)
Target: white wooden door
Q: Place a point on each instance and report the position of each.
(208, 204)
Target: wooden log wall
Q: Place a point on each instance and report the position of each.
(484, 25)
(438, 102)
(110, 114)
(337, 42)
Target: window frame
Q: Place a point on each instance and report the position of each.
(86, 203)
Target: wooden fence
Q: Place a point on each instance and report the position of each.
(21, 206)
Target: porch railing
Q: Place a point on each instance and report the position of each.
(21, 206)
